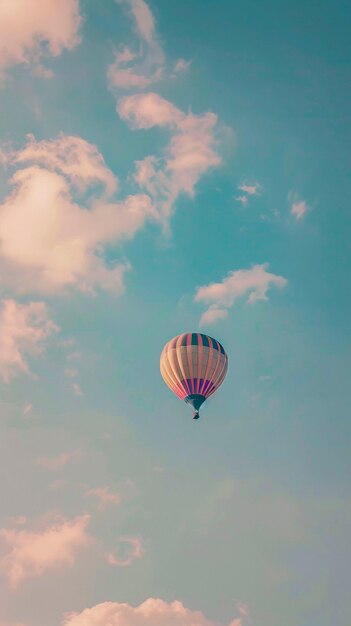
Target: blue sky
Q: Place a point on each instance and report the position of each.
(169, 168)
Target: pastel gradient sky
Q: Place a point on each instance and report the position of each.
(172, 167)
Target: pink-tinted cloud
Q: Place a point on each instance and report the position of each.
(78, 160)
(148, 110)
(24, 329)
(138, 69)
(212, 315)
(298, 206)
(242, 199)
(48, 241)
(129, 550)
(298, 209)
(254, 283)
(152, 612)
(31, 553)
(190, 153)
(104, 497)
(253, 189)
(26, 35)
(61, 460)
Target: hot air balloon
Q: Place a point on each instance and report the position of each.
(193, 366)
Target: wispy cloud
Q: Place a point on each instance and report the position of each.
(221, 296)
(49, 241)
(298, 206)
(244, 613)
(77, 390)
(61, 460)
(190, 153)
(104, 496)
(248, 189)
(242, 199)
(32, 552)
(136, 69)
(151, 612)
(181, 66)
(129, 550)
(24, 330)
(27, 35)
(27, 409)
(252, 189)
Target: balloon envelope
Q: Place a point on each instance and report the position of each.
(193, 366)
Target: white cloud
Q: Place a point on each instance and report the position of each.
(190, 153)
(24, 329)
(129, 550)
(254, 283)
(137, 70)
(152, 612)
(32, 552)
(28, 33)
(48, 240)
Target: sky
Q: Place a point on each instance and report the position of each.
(171, 167)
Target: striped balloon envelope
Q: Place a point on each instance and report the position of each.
(193, 366)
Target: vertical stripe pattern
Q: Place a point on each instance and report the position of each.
(193, 363)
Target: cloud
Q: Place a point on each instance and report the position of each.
(78, 160)
(21, 520)
(104, 496)
(252, 189)
(181, 66)
(190, 153)
(298, 206)
(24, 329)
(212, 315)
(71, 373)
(152, 612)
(33, 552)
(254, 283)
(58, 462)
(242, 199)
(49, 240)
(130, 549)
(48, 28)
(137, 70)
(27, 408)
(77, 390)
(298, 209)
(149, 110)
